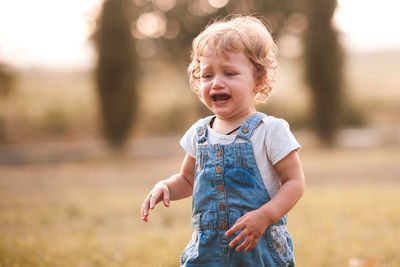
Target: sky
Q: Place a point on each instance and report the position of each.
(54, 33)
(50, 33)
(369, 25)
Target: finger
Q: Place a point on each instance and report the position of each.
(145, 210)
(238, 239)
(246, 243)
(166, 197)
(252, 245)
(236, 227)
(154, 199)
(146, 206)
(241, 218)
(145, 214)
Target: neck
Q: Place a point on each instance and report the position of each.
(227, 124)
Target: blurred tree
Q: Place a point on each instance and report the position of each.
(323, 54)
(184, 19)
(169, 26)
(324, 64)
(7, 80)
(116, 70)
(7, 85)
(189, 17)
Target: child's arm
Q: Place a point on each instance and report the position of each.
(253, 224)
(176, 187)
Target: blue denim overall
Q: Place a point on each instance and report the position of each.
(227, 185)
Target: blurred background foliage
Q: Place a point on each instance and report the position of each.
(139, 86)
(7, 80)
(166, 28)
(116, 71)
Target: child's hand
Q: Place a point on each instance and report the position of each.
(158, 193)
(253, 225)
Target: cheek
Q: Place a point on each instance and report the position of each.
(204, 88)
(204, 83)
(203, 94)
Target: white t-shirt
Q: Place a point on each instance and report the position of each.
(271, 141)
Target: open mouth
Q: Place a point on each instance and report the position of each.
(220, 97)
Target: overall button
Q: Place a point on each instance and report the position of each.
(219, 152)
(221, 187)
(201, 132)
(245, 130)
(224, 225)
(222, 206)
(219, 169)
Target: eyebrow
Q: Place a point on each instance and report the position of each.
(204, 67)
(224, 65)
(229, 65)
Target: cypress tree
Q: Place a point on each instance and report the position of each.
(324, 64)
(115, 72)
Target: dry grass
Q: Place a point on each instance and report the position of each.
(87, 213)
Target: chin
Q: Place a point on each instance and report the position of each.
(222, 114)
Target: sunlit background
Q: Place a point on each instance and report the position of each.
(68, 198)
(55, 34)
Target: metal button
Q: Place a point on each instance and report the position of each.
(224, 225)
(219, 170)
(221, 187)
(222, 206)
(245, 130)
(219, 152)
(201, 132)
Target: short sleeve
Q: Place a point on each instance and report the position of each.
(279, 140)
(189, 140)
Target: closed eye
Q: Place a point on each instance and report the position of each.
(206, 76)
(230, 73)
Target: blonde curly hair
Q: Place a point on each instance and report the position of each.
(246, 34)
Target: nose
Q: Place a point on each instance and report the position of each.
(218, 82)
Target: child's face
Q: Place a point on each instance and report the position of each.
(227, 85)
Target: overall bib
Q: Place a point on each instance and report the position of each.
(227, 185)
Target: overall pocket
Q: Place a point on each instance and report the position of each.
(188, 251)
(280, 245)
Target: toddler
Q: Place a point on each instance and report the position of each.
(241, 166)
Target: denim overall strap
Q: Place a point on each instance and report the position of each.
(247, 128)
(202, 132)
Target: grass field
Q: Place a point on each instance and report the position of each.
(86, 213)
